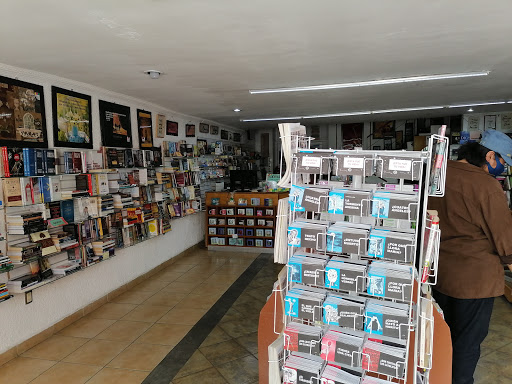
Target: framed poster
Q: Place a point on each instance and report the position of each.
(506, 122)
(160, 126)
(224, 135)
(409, 131)
(473, 123)
(230, 136)
(214, 130)
(72, 119)
(490, 122)
(383, 129)
(145, 127)
(22, 114)
(116, 125)
(172, 128)
(352, 135)
(204, 128)
(190, 130)
(399, 140)
(237, 137)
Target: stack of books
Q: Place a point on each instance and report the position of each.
(25, 224)
(122, 200)
(24, 252)
(44, 239)
(104, 247)
(105, 205)
(4, 292)
(393, 281)
(5, 263)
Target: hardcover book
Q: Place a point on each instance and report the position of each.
(12, 192)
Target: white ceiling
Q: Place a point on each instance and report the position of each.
(213, 51)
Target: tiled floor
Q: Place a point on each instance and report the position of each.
(125, 340)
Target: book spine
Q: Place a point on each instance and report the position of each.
(5, 158)
(45, 161)
(26, 169)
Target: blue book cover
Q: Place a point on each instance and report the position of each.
(39, 162)
(31, 161)
(380, 207)
(294, 236)
(335, 241)
(377, 285)
(374, 323)
(330, 313)
(292, 306)
(295, 272)
(46, 189)
(67, 210)
(377, 246)
(336, 202)
(295, 198)
(332, 278)
(26, 170)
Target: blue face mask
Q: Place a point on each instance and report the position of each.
(498, 170)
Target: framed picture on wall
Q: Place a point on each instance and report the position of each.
(383, 129)
(145, 127)
(214, 130)
(224, 135)
(352, 135)
(116, 125)
(204, 128)
(160, 126)
(490, 122)
(190, 130)
(399, 139)
(230, 136)
(237, 137)
(172, 128)
(22, 114)
(72, 119)
(409, 131)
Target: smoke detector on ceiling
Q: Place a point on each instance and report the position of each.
(154, 74)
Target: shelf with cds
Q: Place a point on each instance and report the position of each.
(353, 296)
(56, 225)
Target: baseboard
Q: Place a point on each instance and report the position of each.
(47, 333)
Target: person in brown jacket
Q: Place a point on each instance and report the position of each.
(476, 244)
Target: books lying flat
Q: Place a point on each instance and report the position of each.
(391, 245)
(346, 274)
(343, 347)
(304, 302)
(307, 234)
(389, 280)
(399, 167)
(344, 311)
(343, 237)
(392, 205)
(383, 358)
(23, 282)
(66, 267)
(334, 375)
(307, 268)
(349, 202)
(303, 338)
(388, 319)
(301, 368)
(347, 164)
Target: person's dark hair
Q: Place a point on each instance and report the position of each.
(473, 153)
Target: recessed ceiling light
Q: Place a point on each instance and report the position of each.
(237, 110)
(153, 73)
(470, 110)
(397, 80)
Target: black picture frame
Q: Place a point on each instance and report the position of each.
(214, 130)
(28, 108)
(72, 119)
(190, 130)
(115, 124)
(409, 131)
(171, 128)
(204, 128)
(383, 129)
(237, 137)
(224, 135)
(145, 129)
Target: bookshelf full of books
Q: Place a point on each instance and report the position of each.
(241, 220)
(357, 308)
(69, 210)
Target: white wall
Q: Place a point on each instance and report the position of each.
(54, 302)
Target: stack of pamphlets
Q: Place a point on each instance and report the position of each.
(391, 245)
(350, 238)
(307, 268)
(315, 199)
(307, 234)
(346, 274)
(384, 358)
(343, 347)
(295, 198)
(386, 318)
(303, 338)
(393, 281)
(344, 311)
(302, 368)
(394, 205)
(351, 202)
(334, 375)
(304, 302)
(399, 167)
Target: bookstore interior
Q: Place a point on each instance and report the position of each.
(287, 236)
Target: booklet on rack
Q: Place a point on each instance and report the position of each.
(394, 205)
(346, 274)
(304, 338)
(391, 245)
(307, 268)
(386, 318)
(353, 164)
(350, 238)
(343, 346)
(310, 161)
(304, 302)
(399, 167)
(307, 234)
(393, 281)
(349, 202)
(344, 311)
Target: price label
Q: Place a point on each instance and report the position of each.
(400, 165)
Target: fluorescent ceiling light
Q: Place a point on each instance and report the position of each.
(338, 115)
(476, 104)
(407, 109)
(397, 80)
(273, 119)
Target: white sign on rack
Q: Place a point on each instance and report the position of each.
(400, 165)
(308, 161)
(353, 162)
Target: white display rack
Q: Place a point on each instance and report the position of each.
(430, 166)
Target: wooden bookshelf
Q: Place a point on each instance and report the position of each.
(219, 212)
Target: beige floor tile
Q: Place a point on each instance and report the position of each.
(55, 348)
(198, 301)
(133, 296)
(221, 280)
(180, 267)
(67, 373)
(187, 279)
(196, 363)
(223, 352)
(216, 336)
(176, 287)
(147, 313)
(97, 352)
(210, 376)
(118, 376)
(208, 288)
(151, 285)
(240, 371)
(165, 334)
(124, 331)
(165, 299)
(86, 327)
(112, 311)
(23, 370)
(143, 357)
(166, 276)
(187, 316)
